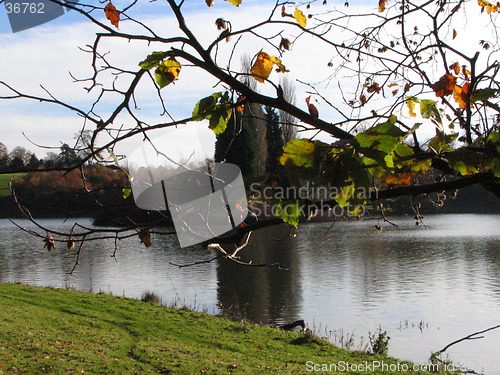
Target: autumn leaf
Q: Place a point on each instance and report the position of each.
(284, 13)
(410, 102)
(454, 34)
(235, 2)
(263, 66)
(285, 44)
(112, 14)
(241, 106)
(445, 85)
(313, 111)
(397, 179)
(70, 244)
(50, 244)
(145, 237)
(299, 17)
(221, 24)
(167, 72)
(491, 8)
(460, 94)
(456, 68)
(209, 2)
(381, 5)
(363, 99)
(374, 87)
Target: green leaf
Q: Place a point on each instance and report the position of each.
(203, 109)
(298, 152)
(216, 108)
(342, 198)
(441, 142)
(494, 166)
(482, 95)
(288, 211)
(357, 171)
(126, 191)
(387, 128)
(153, 60)
(219, 118)
(464, 161)
(428, 108)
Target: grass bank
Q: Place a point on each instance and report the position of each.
(4, 182)
(57, 331)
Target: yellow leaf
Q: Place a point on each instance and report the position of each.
(263, 66)
(410, 102)
(299, 17)
(235, 2)
(281, 67)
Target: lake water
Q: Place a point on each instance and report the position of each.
(426, 286)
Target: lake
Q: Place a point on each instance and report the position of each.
(425, 285)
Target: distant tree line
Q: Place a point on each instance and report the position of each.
(20, 159)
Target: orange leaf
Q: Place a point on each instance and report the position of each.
(112, 14)
(454, 33)
(284, 13)
(313, 111)
(374, 88)
(407, 87)
(466, 73)
(445, 85)
(381, 5)
(363, 100)
(240, 107)
(400, 179)
(460, 94)
(456, 68)
(394, 92)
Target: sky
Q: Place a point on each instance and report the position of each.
(44, 56)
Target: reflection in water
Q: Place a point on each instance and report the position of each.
(263, 294)
(343, 276)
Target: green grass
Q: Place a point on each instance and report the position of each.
(4, 183)
(59, 331)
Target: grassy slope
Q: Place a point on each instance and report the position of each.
(4, 182)
(44, 330)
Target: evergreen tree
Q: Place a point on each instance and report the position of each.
(274, 138)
